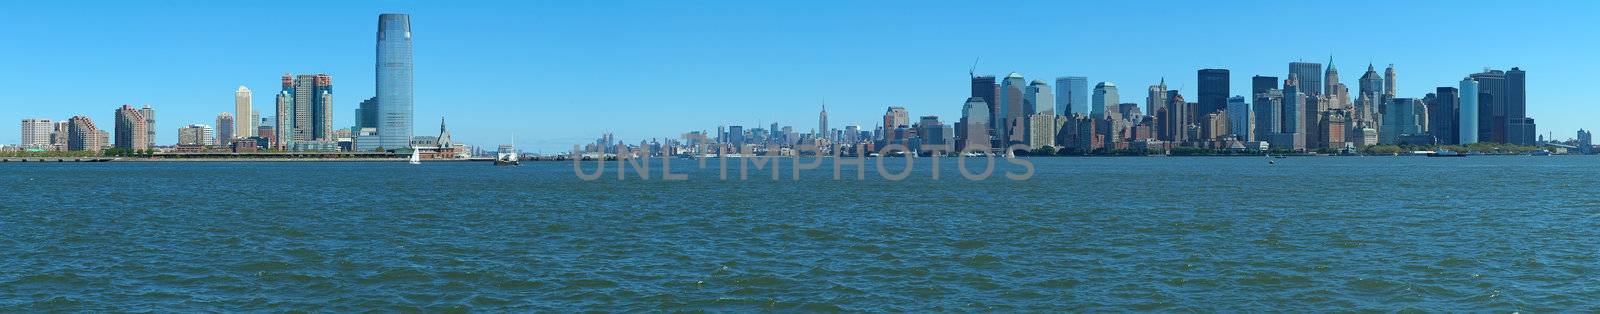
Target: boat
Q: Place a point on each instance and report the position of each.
(507, 159)
(1446, 153)
(1542, 152)
(416, 156)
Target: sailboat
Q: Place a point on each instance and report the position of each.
(416, 156)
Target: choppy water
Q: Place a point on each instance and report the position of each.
(1119, 234)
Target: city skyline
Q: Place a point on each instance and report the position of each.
(561, 80)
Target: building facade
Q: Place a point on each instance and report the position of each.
(82, 135)
(243, 108)
(132, 132)
(1213, 90)
(394, 81)
(36, 133)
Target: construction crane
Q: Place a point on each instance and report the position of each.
(972, 72)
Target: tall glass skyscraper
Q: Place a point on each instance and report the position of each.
(394, 80)
(1072, 95)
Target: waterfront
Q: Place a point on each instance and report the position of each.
(1502, 233)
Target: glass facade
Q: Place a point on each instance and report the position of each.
(394, 113)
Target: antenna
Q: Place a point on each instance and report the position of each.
(972, 72)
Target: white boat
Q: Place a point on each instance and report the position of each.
(416, 156)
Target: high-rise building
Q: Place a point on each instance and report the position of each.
(1401, 120)
(1467, 123)
(366, 115)
(985, 88)
(195, 135)
(1040, 98)
(894, 118)
(822, 125)
(1072, 95)
(1012, 108)
(1520, 128)
(1388, 81)
(244, 109)
(394, 80)
(1492, 106)
(1585, 142)
(1261, 84)
(132, 131)
(974, 129)
(1213, 90)
(1177, 118)
(305, 108)
(82, 135)
(1308, 76)
(1239, 118)
(1269, 115)
(1156, 97)
(1443, 112)
(36, 133)
(225, 128)
(60, 137)
(1106, 101)
(149, 125)
(1369, 99)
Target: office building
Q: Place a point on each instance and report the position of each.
(132, 131)
(1213, 90)
(985, 88)
(1400, 120)
(1520, 128)
(1308, 76)
(1268, 109)
(1467, 119)
(1106, 102)
(1443, 112)
(1072, 95)
(1156, 98)
(974, 124)
(1388, 81)
(36, 133)
(1040, 98)
(244, 109)
(1012, 108)
(1239, 118)
(225, 128)
(394, 80)
(1493, 121)
(1261, 84)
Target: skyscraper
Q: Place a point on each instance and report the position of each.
(1467, 125)
(1401, 120)
(1106, 100)
(1309, 76)
(1520, 128)
(132, 130)
(985, 88)
(1041, 98)
(242, 108)
(1072, 95)
(82, 135)
(1261, 84)
(974, 129)
(1213, 90)
(225, 127)
(1156, 98)
(1443, 114)
(149, 125)
(36, 133)
(1239, 118)
(822, 125)
(394, 80)
(1388, 81)
(1011, 109)
(1269, 115)
(1492, 106)
(305, 108)
(894, 118)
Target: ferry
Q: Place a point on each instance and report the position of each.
(1446, 153)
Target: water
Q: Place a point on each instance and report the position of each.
(1118, 234)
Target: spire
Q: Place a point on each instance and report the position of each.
(1330, 62)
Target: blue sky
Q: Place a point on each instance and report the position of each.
(556, 73)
